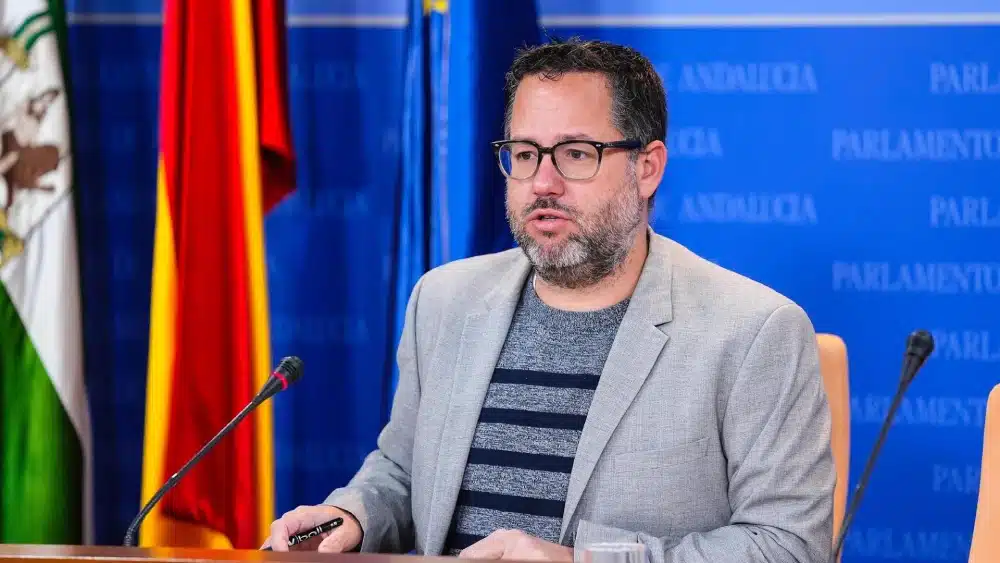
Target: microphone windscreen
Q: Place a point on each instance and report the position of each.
(291, 368)
(920, 344)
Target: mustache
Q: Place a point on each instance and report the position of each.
(548, 203)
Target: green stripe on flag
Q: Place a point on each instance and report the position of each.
(36, 36)
(41, 459)
(29, 21)
(57, 8)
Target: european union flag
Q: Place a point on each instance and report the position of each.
(451, 193)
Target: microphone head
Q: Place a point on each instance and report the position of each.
(288, 372)
(919, 346)
(290, 369)
(920, 343)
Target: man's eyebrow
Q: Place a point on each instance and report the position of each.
(579, 136)
(575, 137)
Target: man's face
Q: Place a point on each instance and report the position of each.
(575, 232)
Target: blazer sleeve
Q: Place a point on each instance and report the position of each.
(776, 435)
(379, 494)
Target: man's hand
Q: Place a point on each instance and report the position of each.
(517, 545)
(343, 538)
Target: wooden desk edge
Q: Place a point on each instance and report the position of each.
(67, 553)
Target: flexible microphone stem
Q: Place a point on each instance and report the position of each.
(288, 372)
(869, 466)
(919, 346)
(173, 480)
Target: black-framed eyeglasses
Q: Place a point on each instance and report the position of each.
(574, 159)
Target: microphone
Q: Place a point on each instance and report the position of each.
(288, 372)
(919, 346)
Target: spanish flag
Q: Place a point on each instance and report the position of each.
(225, 158)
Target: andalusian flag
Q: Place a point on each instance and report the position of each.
(225, 158)
(45, 462)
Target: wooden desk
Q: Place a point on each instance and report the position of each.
(13, 553)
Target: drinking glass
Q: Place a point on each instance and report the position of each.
(612, 552)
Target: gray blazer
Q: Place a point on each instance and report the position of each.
(708, 438)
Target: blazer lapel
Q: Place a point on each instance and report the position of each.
(636, 347)
(483, 335)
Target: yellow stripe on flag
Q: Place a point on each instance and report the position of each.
(161, 357)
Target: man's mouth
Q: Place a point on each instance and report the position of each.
(547, 215)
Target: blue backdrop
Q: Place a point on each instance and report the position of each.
(853, 167)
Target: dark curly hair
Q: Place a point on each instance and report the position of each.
(638, 99)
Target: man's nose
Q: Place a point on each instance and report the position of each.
(547, 180)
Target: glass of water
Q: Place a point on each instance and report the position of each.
(612, 552)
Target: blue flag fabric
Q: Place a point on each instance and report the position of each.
(468, 193)
(451, 193)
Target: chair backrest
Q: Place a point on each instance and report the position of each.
(833, 366)
(986, 535)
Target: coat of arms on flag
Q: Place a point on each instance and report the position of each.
(34, 168)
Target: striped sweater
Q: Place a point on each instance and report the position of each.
(518, 469)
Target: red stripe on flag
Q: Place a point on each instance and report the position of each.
(175, 17)
(278, 161)
(213, 374)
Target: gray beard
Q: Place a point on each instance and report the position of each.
(593, 254)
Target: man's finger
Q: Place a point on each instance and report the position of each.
(490, 547)
(333, 543)
(279, 535)
(291, 522)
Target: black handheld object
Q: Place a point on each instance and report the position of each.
(287, 372)
(919, 346)
(296, 539)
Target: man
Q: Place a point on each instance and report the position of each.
(601, 382)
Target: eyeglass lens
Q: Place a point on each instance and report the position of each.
(578, 161)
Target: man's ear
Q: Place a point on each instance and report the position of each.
(649, 167)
